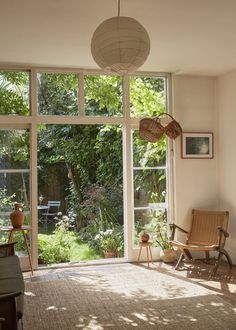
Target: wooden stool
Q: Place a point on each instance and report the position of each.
(148, 246)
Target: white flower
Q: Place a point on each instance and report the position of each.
(108, 232)
(97, 237)
(59, 214)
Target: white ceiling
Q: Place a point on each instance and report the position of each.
(187, 36)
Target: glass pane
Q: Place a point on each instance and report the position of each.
(80, 172)
(14, 93)
(146, 154)
(147, 96)
(57, 94)
(14, 179)
(152, 221)
(14, 149)
(149, 187)
(103, 95)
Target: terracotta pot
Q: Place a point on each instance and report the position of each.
(144, 237)
(109, 254)
(168, 255)
(17, 217)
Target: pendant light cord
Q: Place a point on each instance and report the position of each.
(118, 7)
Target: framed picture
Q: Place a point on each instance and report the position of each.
(197, 145)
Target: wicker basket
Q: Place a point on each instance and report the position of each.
(173, 129)
(150, 129)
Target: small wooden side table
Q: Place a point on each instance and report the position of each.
(25, 232)
(148, 246)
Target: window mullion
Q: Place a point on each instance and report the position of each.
(81, 95)
(33, 168)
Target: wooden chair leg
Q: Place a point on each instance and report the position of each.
(179, 261)
(217, 263)
(227, 257)
(207, 257)
(187, 254)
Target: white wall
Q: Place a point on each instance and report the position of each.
(196, 179)
(226, 99)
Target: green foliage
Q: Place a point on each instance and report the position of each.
(101, 210)
(6, 201)
(64, 245)
(57, 94)
(14, 148)
(147, 96)
(103, 95)
(14, 93)
(109, 159)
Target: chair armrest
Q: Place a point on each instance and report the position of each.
(7, 296)
(173, 227)
(223, 231)
(7, 249)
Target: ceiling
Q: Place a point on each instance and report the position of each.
(187, 36)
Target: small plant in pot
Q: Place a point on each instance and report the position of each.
(108, 243)
(167, 253)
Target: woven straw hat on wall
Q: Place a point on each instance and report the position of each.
(120, 44)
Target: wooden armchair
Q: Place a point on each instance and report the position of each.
(208, 233)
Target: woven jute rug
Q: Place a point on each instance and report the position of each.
(124, 297)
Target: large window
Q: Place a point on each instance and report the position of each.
(79, 127)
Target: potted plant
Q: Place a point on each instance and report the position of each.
(108, 242)
(161, 233)
(167, 253)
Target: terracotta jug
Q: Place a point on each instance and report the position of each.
(144, 237)
(17, 217)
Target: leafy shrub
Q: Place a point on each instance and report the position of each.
(56, 247)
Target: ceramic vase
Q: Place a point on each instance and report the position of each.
(17, 217)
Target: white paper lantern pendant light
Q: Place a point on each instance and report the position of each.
(120, 44)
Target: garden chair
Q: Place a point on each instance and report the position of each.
(52, 211)
(208, 233)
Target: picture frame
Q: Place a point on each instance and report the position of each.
(195, 145)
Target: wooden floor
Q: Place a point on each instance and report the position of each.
(199, 272)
